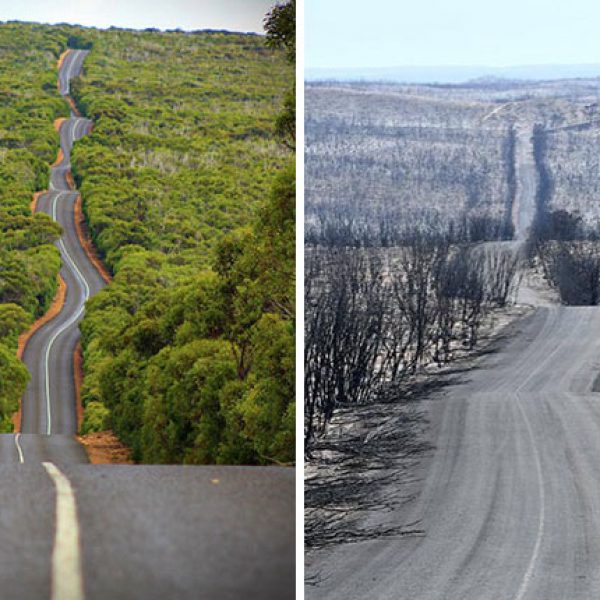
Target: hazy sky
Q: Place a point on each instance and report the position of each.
(386, 33)
(235, 15)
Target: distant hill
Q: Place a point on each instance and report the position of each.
(456, 74)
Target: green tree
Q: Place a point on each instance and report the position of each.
(280, 28)
(13, 381)
(13, 321)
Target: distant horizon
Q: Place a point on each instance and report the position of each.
(458, 66)
(140, 29)
(454, 74)
(236, 16)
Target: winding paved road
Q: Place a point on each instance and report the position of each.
(71, 530)
(49, 404)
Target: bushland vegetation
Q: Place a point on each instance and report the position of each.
(375, 317)
(414, 155)
(564, 241)
(572, 159)
(188, 187)
(379, 322)
(29, 263)
(183, 144)
(566, 247)
(330, 228)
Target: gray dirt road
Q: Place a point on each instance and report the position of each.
(510, 500)
(71, 530)
(525, 202)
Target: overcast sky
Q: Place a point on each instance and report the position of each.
(234, 15)
(386, 33)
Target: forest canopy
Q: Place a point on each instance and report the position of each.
(189, 195)
(188, 189)
(29, 263)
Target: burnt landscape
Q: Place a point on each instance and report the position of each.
(439, 217)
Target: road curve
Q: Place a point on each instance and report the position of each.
(129, 532)
(49, 403)
(70, 67)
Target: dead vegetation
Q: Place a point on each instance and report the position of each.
(386, 310)
(573, 161)
(377, 321)
(378, 155)
(366, 449)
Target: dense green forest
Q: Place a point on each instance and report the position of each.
(29, 263)
(188, 188)
(189, 195)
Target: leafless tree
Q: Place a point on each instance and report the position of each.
(375, 316)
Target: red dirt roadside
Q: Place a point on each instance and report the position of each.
(53, 311)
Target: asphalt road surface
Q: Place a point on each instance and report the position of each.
(149, 532)
(72, 530)
(49, 404)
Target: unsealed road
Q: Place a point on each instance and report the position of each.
(509, 499)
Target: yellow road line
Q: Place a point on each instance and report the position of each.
(67, 581)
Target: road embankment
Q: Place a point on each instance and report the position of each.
(105, 448)
(58, 123)
(34, 201)
(54, 310)
(86, 241)
(61, 59)
(102, 447)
